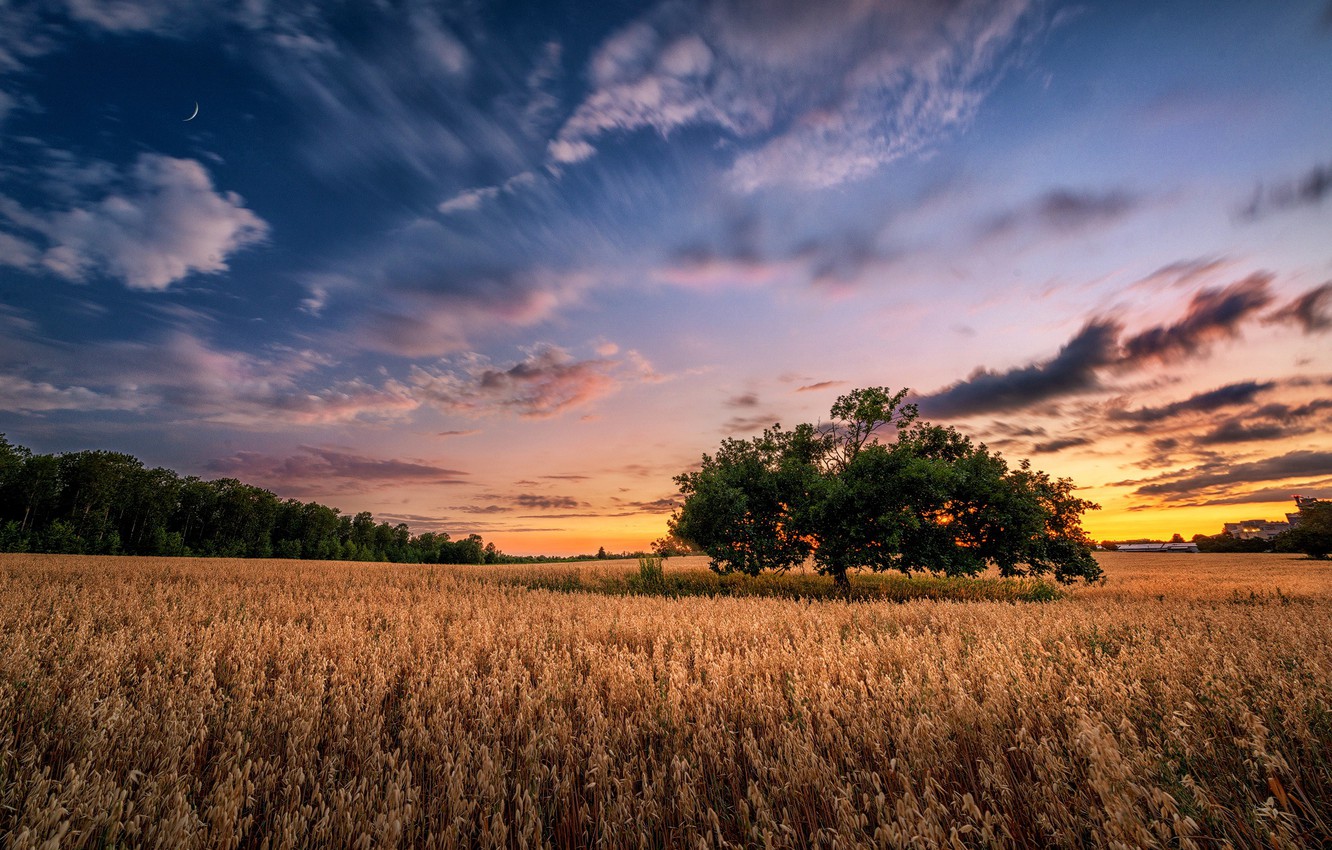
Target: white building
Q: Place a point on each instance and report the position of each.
(1255, 529)
(1157, 547)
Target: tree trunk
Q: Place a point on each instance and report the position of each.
(843, 582)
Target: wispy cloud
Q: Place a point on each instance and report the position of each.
(1308, 190)
(1311, 311)
(817, 95)
(1064, 211)
(1231, 395)
(1190, 483)
(331, 469)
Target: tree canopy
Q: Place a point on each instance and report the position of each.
(1311, 533)
(100, 502)
(927, 500)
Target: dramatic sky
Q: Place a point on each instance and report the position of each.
(509, 267)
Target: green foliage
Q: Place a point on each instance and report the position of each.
(1226, 543)
(650, 572)
(99, 502)
(793, 585)
(930, 501)
(1312, 534)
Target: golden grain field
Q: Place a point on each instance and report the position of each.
(173, 703)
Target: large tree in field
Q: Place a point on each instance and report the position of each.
(928, 500)
(1312, 534)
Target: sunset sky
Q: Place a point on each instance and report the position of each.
(507, 268)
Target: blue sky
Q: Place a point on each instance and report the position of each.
(507, 268)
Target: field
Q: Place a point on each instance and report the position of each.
(1187, 702)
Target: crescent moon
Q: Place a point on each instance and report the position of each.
(196, 111)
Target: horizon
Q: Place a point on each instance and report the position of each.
(508, 269)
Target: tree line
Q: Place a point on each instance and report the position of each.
(842, 498)
(108, 503)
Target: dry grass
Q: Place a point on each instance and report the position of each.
(179, 703)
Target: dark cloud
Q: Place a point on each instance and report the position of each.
(655, 506)
(743, 400)
(531, 500)
(1059, 445)
(1315, 489)
(1177, 486)
(1312, 311)
(1308, 190)
(317, 469)
(502, 502)
(1064, 211)
(568, 477)
(1236, 431)
(465, 433)
(482, 509)
(1073, 370)
(1212, 314)
(1231, 395)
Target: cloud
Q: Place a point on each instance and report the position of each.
(1072, 370)
(1230, 395)
(1188, 483)
(1314, 489)
(1235, 431)
(815, 95)
(743, 400)
(152, 226)
(189, 379)
(323, 469)
(1312, 311)
(25, 396)
(531, 500)
(1060, 444)
(548, 382)
(1307, 191)
(507, 503)
(820, 385)
(1212, 314)
(749, 424)
(1065, 211)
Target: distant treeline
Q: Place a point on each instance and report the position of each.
(109, 503)
(1222, 542)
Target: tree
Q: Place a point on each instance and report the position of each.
(1312, 534)
(747, 505)
(931, 500)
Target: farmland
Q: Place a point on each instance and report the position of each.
(162, 702)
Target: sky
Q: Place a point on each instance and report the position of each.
(507, 268)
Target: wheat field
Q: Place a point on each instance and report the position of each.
(1187, 702)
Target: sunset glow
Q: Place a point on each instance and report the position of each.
(509, 268)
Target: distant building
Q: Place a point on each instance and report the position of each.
(1255, 529)
(1301, 502)
(1157, 547)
